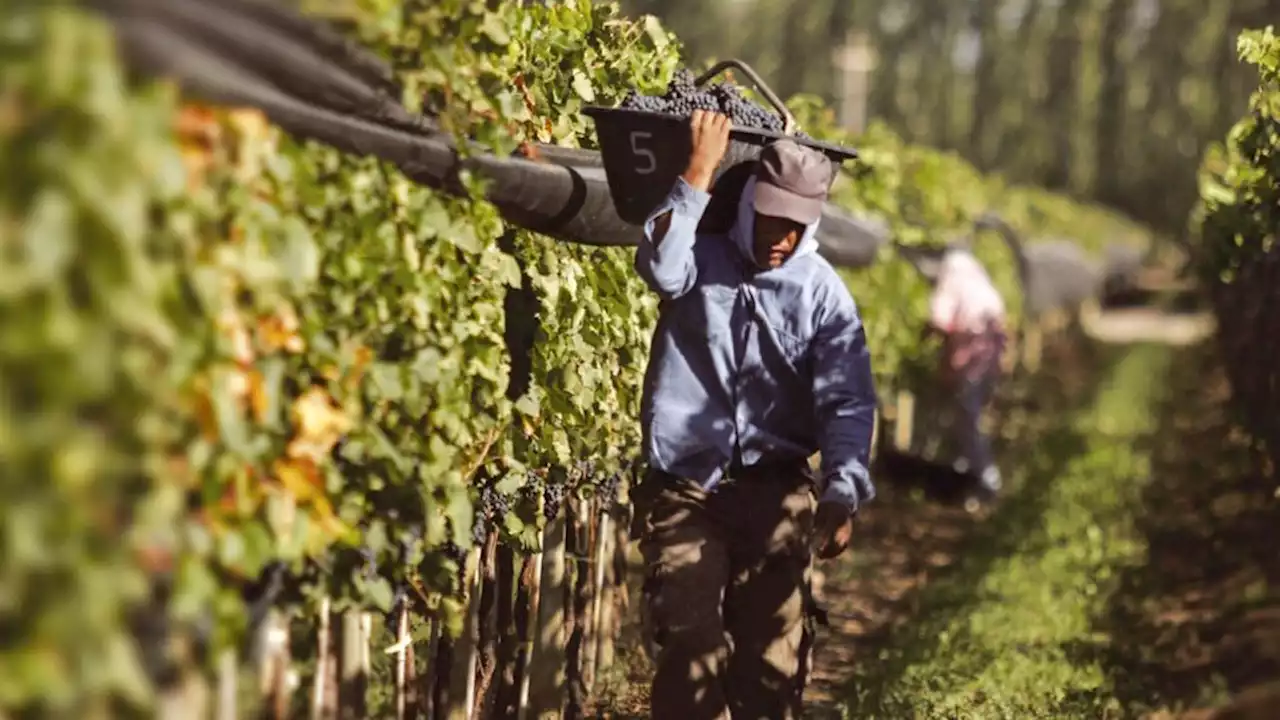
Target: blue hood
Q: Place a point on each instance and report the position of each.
(744, 228)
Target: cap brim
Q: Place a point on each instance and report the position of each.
(774, 201)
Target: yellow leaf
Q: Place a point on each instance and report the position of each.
(197, 124)
(301, 478)
(230, 324)
(239, 384)
(202, 409)
(250, 123)
(280, 332)
(328, 520)
(197, 161)
(318, 425)
(197, 131)
(258, 401)
(363, 356)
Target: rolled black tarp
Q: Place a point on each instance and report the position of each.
(1060, 276)
(1122, 265)
(301, 57)
(927, 258)
(848, 240)
(563, 202)
(317, 85)
(1054, 274)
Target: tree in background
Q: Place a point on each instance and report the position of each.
(1109, 100)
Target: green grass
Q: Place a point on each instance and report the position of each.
(1010, 631)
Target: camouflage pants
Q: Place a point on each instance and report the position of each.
(726, 592)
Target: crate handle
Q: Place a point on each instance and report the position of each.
(788, 120)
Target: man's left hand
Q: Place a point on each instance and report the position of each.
(832, 529)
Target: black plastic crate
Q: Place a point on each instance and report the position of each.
(644, 152)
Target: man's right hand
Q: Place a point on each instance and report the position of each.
(832, 529)
(710, 134)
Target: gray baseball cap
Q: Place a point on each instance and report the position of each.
(792, 181)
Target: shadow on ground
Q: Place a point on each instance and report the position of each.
(1194, 620)
(912, 547)
(908, 537)
(1201, 619)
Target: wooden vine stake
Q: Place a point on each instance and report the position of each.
(602, 538)
(615, 580)
(504, 690)
(354, 678)
(487, 630)
(412, 701)
(228, 687)
(404, 659)
(903, 428)
(274, 671)
(190, 695)
(546, 685)
(606, 604)
(876, 421)
(429, 678)
(462, 673)
(1009, 359)
(530, 635)
(324, 664)
(579, 548)
(1032, 348)
(366, 644)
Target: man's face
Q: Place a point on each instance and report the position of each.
(775, 239)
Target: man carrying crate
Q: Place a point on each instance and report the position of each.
(759, 359)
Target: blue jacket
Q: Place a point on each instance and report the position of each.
(767, 365)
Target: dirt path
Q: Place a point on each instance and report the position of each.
(904, 540)
(1142, 582)
(902, 543)
(1199, 621)
(908, 540)
(1133, 572)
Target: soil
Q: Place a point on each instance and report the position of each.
(1195, 625)
(911, 532)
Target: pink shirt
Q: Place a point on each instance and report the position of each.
(968, 308)
(964, 299)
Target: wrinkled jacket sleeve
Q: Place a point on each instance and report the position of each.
(845, 402)
(668, 266)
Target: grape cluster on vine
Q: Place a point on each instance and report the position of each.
(493, 505)
(609, 487)
(479, 524)
(530, 492)
(683, 97)
(552, 500)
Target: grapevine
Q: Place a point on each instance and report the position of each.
(553, 500)
(610, 486)
(288, 364)
(1237, 227)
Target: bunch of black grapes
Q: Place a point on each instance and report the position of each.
(683, 97)
(494, 506)
(609, 486)
(552, 500)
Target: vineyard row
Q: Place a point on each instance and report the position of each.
(247, 374)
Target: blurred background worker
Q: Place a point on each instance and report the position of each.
(967, 310)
